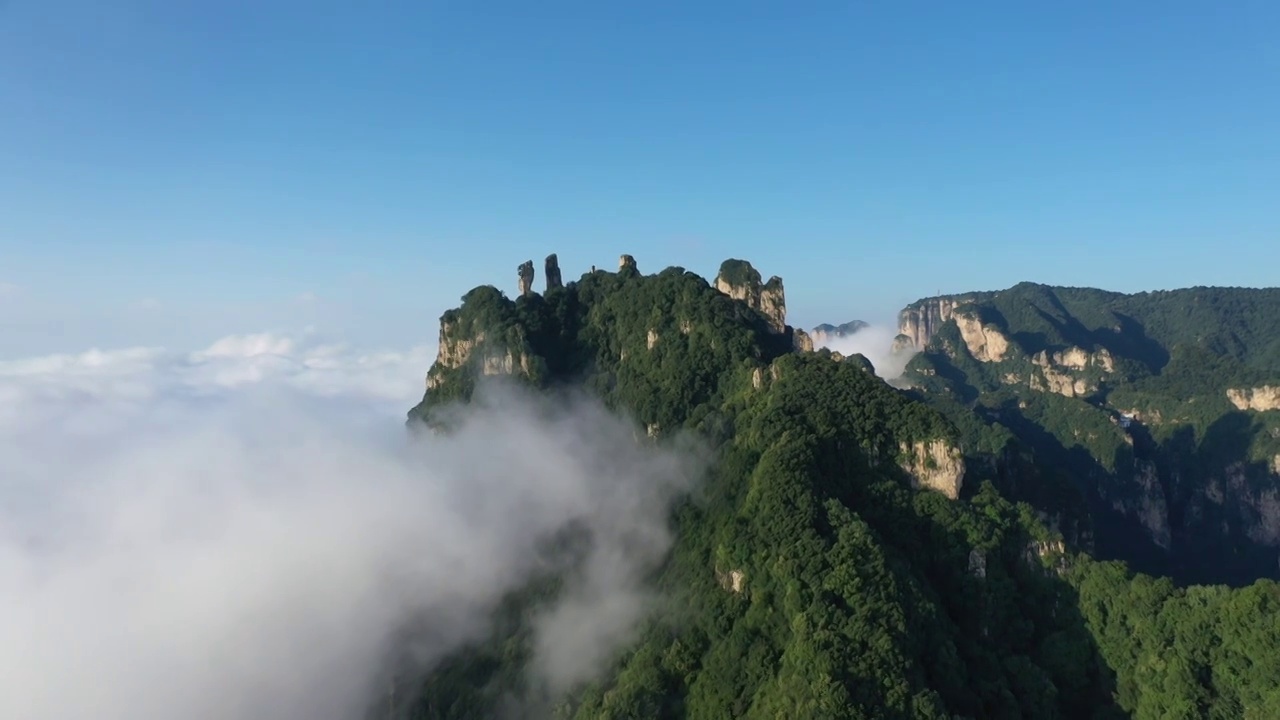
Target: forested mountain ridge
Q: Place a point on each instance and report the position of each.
(842, 560)
(827, 332)
(1152, 417)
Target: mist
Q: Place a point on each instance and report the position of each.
(245, 533)
(875, 343)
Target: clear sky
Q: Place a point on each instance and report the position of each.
(174, 170)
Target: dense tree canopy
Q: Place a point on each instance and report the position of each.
(1178, 489)
(810, 578)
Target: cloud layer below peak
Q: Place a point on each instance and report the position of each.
(237, 532)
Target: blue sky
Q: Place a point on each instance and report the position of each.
(175, 170)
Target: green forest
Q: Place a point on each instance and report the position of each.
(1183, 489)
(812, 577)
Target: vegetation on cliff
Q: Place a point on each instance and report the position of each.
(1123, 402)
(811, 578)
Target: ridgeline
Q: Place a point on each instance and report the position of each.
(859, 551)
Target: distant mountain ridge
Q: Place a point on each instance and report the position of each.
(1160, 406)
(863, 551)
(826, 332)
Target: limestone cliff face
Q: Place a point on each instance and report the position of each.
(1056, 371)
(985, 343)
(918, 323)
(451, 352)
(934, 464)
(759, 377)
(1052, 380)
(773, 303)
(1260, 399)
(732, 580)
(801, 341)
(1050, 554)
(456, 350)
(740, 281)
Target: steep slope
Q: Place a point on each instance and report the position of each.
(1145, 424)
(844, 559)
(824, 569)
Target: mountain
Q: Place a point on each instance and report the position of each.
(1145, 424)
(825, 332)
(856, 551)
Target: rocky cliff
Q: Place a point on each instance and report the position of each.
(552, 272)
(1134, 408)
(935, 464)
(740, 281)
(459, 349)
(921, 320)
(1260, 399)
(524, 275)
(544, 338)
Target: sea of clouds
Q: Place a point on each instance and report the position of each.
(245, 531)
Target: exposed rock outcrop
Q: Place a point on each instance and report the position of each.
(934, 464)
(1075, 358)
(985, 342)
(627, 263)
(1260, 399)
(759, 377)
(921, 321)
(801, 341)
(1056, 370)
(977, 563)
(732, 580)
(740, 281)
(453, 352)
(1056, 381)
(1052, 553)
(525, 275)
(773, 303)
(551, 270)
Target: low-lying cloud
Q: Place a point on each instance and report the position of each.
(244, 532)
(875, 343)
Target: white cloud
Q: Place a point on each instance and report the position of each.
(236, 533)
(875, 343)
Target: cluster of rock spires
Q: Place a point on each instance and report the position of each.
(935, 464)
(525, 274)
(737, 279)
